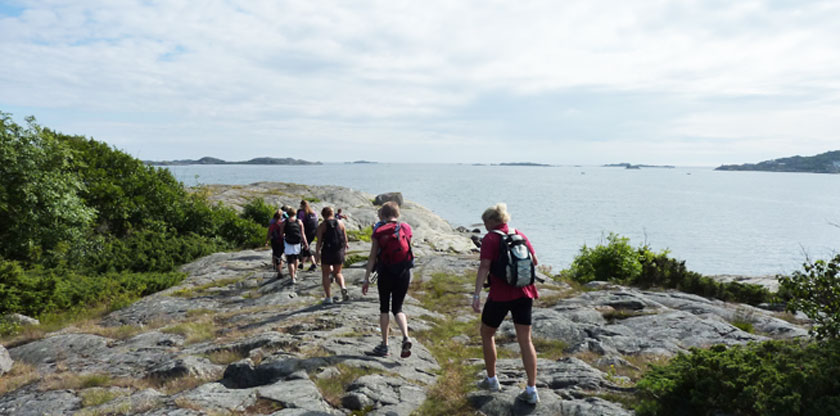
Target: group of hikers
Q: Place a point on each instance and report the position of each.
(507, 267)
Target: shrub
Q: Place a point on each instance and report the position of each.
(770, 378)
(258, 211)
(619, 262)
(616, 261)
(815, 293)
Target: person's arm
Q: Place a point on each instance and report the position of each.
(303, 233)
(319, 234)
(268, 236)
(480, 277)
(344, 231)
(374, 248)
(283, 232)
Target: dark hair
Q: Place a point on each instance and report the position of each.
(389, 209)
(327, 212)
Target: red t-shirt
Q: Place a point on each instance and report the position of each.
(499, 290)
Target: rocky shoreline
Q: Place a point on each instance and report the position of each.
(232, 339)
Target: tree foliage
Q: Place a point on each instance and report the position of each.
(816, 293)
(81, 222)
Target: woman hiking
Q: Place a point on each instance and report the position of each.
(504, 298)
(310, 224)
(390, 252)
(332, 243)
(293, 238)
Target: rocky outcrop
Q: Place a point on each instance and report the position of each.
(389, 197)
(5, 361)
(231, 338)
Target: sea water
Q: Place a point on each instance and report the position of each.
(745, 223)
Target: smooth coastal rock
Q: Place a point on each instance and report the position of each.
(5, 361)
(233, 339)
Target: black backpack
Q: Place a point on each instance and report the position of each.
(310, 223)
(292, 231)
(515, 266)
(333, 237)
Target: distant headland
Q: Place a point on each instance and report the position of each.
(828, 162)
(214, 161)
(523, 164)
(632, 166)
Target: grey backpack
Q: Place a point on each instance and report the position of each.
(515, 264)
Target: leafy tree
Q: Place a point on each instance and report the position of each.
(258, 211)
(816, 293)
(40, 206)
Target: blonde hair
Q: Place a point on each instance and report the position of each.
(389, 209)
(497, 213)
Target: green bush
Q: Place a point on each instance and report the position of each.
(616, 261)
(258, 211)
(82, 223)
(772, 378)
(816, 293)
(619, 262)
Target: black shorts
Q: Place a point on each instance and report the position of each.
(494, 312)
(277, 250)
(332, 257)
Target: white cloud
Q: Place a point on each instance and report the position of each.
(408, 71)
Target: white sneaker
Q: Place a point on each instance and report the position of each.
(530, 398)
(328, 301)
(486, 384)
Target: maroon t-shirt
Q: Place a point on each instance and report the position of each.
(499, 290)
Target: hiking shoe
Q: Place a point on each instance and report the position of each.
(486, 384)
(328, 301)
(312, 268)
(344, 295)
(381, 350)
(530, 398)
(406, 348)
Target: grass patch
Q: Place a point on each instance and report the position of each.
(626, 400)
(333, 388)
(225, 357)
(360, 235)
(550, 349)
(448, 294)
(263, 406)
(353, 259)
(194, 313)
(193, 331)
(70, 381)
(20, 375)
(743, 319)
(312, 199)
(612, 315)
(97, 396)
(202, 290)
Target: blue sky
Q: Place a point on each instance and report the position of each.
(691, 83)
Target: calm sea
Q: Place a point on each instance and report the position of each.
(747, 223)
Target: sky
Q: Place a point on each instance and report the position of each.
(685, 82)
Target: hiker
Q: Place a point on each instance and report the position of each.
(273, 237)
(294, 238)
(504, 298)
(390, 252)
(338, 215)
(310, 224)
(332, 243)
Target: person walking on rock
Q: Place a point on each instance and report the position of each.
(310, 224)
(332, 243)
(505, 297)
(273, 237)
(391, 254)
(293, 238)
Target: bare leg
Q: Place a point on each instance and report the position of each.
(325, 281)
(383, 325)
(338, 276)
(402, 322)
(529, 354)
(488, 344)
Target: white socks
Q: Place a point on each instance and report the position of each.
(530, 389)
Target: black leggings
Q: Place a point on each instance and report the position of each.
(392, 289)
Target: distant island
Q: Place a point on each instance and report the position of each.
(214, 161)
(828, 162)
(523, 164)
(632, 166)
(361, 162)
